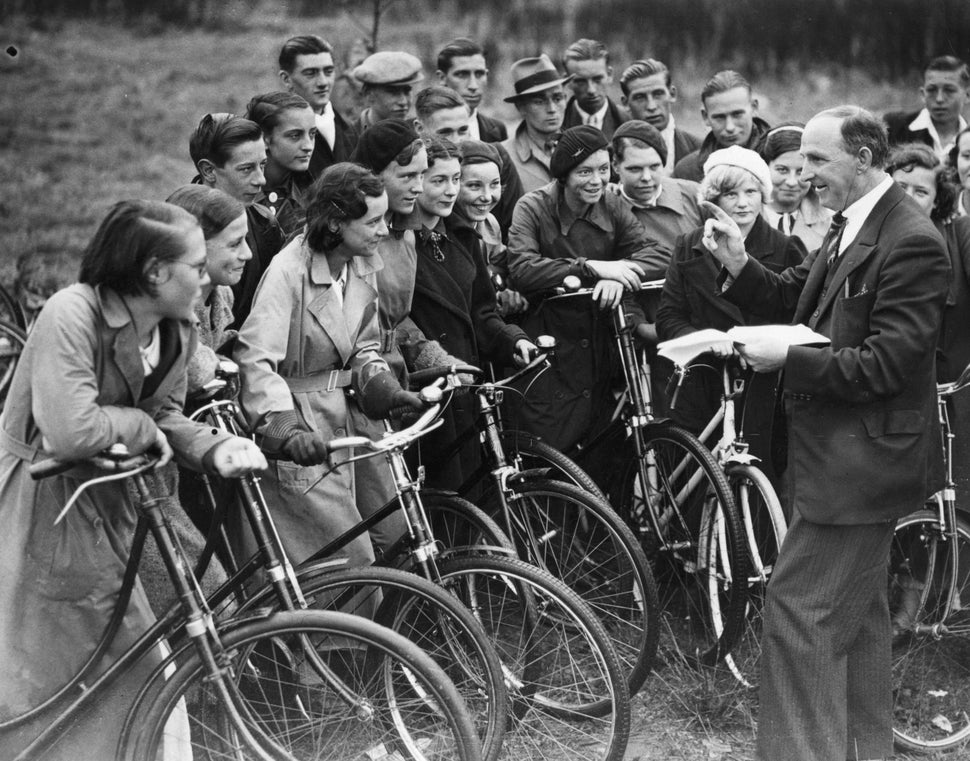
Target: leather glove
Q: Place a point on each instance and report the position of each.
(382, 393)
(306, 448)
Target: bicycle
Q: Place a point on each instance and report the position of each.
(929, 587)
(234, 688)
(761, 513)
(670, 490)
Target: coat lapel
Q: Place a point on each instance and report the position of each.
(124, 341)
(327, 310)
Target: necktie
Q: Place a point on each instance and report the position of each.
(781, 222)
(833, 238)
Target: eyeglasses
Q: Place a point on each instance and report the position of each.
(199, 268)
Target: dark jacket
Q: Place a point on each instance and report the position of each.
(685, 143)
(512, 191)
(615, 116)
(897, 124)
(691, 167)
(491, 130)
(265, 239)
(345, 140)
(953, 353)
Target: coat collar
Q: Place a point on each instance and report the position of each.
(595, 214)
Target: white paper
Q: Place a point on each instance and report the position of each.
(681, 351)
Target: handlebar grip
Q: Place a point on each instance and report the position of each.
(421, 378)
(50, 467)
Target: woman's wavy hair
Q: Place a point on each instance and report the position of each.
(129, 238)
(339, 195)
(906, 157)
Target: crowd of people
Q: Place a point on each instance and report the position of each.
(330, 257)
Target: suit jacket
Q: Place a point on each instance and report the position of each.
(685, 143)
(897, 124)
(491, 130)
(862, 411)
(345, 140)
(615, 116)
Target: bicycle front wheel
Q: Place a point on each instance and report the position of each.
(931, 654)
(387, 700)
(692, 532)
(528, 452)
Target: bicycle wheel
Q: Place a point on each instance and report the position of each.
(580, 540)
(392, 699)
(457, 524)
(12, 340)
(701, 553)
(931, 656)
(570, 700)
(765, 528)
(528, 452)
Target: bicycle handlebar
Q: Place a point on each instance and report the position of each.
(571, 287)
(422, 378)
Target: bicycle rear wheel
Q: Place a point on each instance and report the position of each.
(931, 656)
(700, 558)
(765, 528)
(570, 700)
(393, 699)
(528, 452)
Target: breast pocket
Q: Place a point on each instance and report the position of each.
(850, 320)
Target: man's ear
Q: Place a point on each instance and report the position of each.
(418, 126)
(863, 160)
(285, 79)
(207, 170)
(704, 116)
(672, 89)
(754, 105)
(624, 101)
(440, 75)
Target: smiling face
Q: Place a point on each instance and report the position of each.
(944, 95)
(405, 183)
(442, 182)
(227, 253)
(481, 189)
(919, 183)
(179, 283)
(743, 202)
(640, 172)
(787, 186)
(649, 99)
(827, 166)
(589, 83)
(363, 236)
(730, 116)
(468, 76)
(585, 183)
(242, 176)
(543, 112)
(312, 79)
(290, 143)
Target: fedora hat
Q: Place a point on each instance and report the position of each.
(532, 75)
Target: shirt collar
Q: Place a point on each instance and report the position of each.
(637, 205)
(923, 120)
(667, 133)
(600, 115)
(856, 214)
(473, 129)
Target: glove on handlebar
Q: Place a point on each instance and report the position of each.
(382, 393)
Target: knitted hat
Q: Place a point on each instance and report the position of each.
(477, 152)
(380, 143)
(644, 132)
(742, 158)
(575, 146)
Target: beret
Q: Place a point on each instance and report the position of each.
(645, 132)
(477, 152)
(380, 143)
(742, 158)
(389, 67)
(575, 146)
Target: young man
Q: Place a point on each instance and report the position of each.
(388, 79)
(541, 101)
(945, 90)
(461, 66)
(307, 69)
(588, 62)
(730, 110)
(441, 111)
(648, 94)
(230, 155)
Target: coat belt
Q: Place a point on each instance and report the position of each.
(17, 447)
(325, 381)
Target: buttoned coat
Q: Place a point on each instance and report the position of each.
(79, 387)
(296, 335)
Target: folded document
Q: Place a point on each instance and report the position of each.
(681, 351)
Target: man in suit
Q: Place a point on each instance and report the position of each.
(863, 435)
(588, 63)
(461, 66)
(648, 93)
(307, 69)
(945, 89)
(730, 109)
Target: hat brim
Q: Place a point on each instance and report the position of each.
(537, 88)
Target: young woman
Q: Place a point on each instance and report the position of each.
(105, 363)
(794, 208)
(959, 162)
(289, 129)
(310, 341)
(454, 304)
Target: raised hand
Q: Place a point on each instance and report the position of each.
(723, 238)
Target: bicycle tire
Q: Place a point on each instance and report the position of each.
(569, 695)
(11, 311)
(931, 664)
(702, 549)
(12, 341)
(765, 528)
(528, 452)
(581, 541)
(297, 719)
(461, 526)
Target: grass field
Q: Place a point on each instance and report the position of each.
(94, 113)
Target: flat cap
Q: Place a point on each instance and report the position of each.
(645, 133)
(380, 143)
(389, 68)
(575, 146)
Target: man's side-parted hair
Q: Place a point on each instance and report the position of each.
(641, 70)
(722, 82)
(214, 209)
(460, 47)
(586, 50)
(131, 235)
(949, 63)
(436, 98)
(861, 129)
(218, 134)
(307, 44)
(267, 108)
(338, 195)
